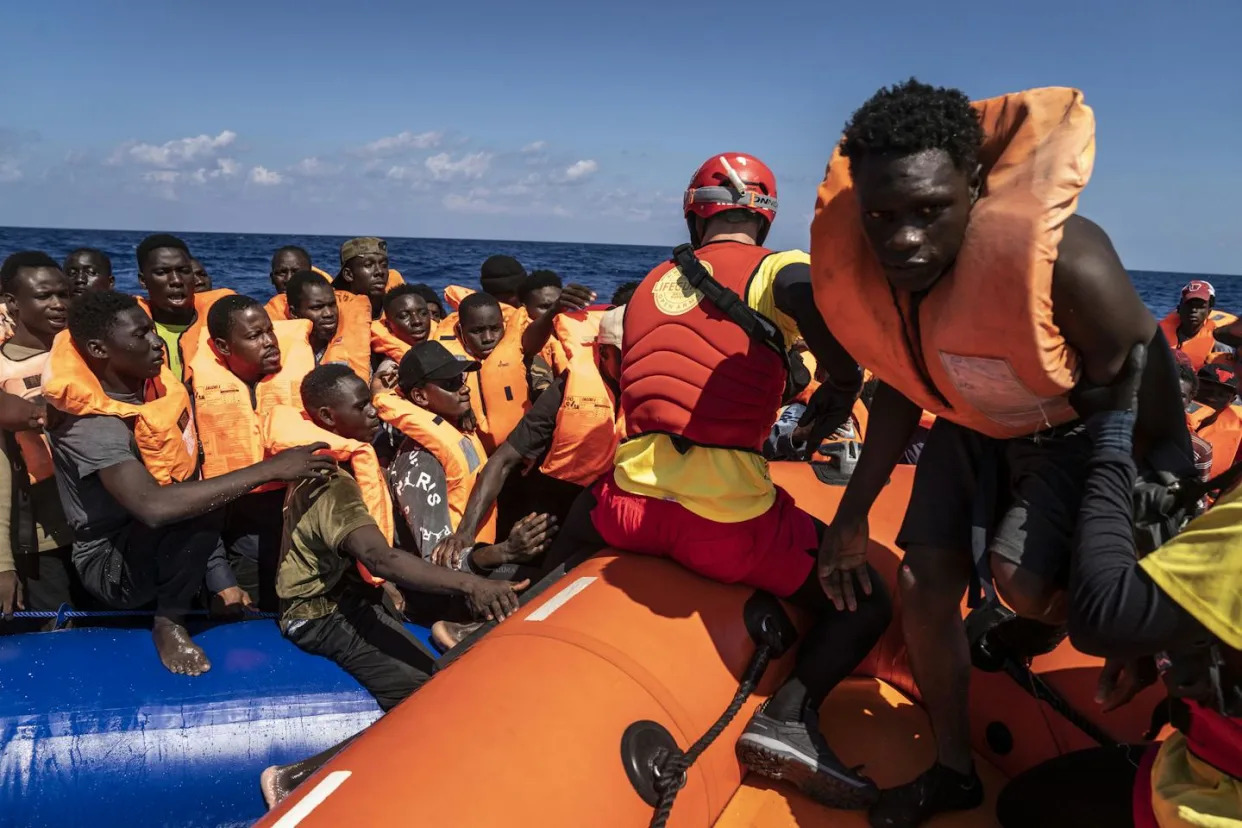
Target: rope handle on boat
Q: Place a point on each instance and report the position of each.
(65, 612)
(671, 766)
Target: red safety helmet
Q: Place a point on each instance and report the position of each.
(731, 181)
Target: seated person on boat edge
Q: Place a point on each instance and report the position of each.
(1196, 329)
(539, 293)
(1175, 613)
(364, 271)
(337, 542)
(36, 572)
(125, 451)
(1215, 415)
(245, 365)
(406, 321)
(340, 321)
(1188, 382)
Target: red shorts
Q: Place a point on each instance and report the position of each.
(773, 552)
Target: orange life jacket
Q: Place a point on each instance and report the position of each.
(187, 343)
(453, 295)
(163, 425)
(499, 393)
(352, 343)
(384, 340)
(553, 352)
(990, 356)
(285, 427)
(461, 455)
(228, 424)
(585, 438)
(1199, 347)
(24, 378)
(395, 279)
(278, 306)
(1224, 433)
(687, 369)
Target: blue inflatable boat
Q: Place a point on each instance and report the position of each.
(94, 731)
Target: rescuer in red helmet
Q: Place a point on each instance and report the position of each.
(703, 376)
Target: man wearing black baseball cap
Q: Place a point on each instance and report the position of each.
(439, 458)
(1215, 415)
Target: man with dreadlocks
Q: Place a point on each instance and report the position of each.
(945, 232)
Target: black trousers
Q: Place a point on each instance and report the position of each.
(252, 527)
(365, 638)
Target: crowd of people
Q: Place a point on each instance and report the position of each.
(356, 451)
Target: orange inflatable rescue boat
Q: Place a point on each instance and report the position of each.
(555, 717)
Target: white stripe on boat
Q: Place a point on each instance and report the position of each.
(561, 598)
(312, 800)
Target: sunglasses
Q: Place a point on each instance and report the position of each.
(451, 385)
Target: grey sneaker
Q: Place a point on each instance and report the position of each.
(797, 752)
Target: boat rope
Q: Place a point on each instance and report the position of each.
(66, 613)
(1028, 680)
(671, 766)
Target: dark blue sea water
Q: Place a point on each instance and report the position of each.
(242, 260)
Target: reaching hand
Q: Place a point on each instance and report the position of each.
(231, 602)
(1121, 680)
(11, 598)
(301, 463)
(396, 596)
(493, 600)
(531, 536)
(574, 298)
(385, 377)
(468, 422)
(1119, 395)
(842, 559)
(449, 551)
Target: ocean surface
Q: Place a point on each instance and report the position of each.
(241, 261)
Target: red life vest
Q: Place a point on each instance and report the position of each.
(690, 371)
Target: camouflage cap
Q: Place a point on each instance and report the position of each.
(363, 246)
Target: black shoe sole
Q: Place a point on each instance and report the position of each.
(821, 784)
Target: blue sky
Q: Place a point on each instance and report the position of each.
(577, 121)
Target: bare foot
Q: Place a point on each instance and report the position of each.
(178, 652)
(448, 634)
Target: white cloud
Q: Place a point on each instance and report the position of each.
(536, 146)
(472, 165)
(476, 201)
(313, 168)
(9, 171)
(401, 142)
(265, 177)
(161, 176)
(181, 152)
(580, 169)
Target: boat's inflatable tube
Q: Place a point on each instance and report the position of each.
(94, 731)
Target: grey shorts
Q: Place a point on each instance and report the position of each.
(1036, 488)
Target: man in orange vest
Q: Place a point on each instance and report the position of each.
(88, 269)
(125, 450)
(993, 352)
(364, 270)
(249, 364)
(287, 261)
(1190, 328)
(1216, 416)
(36, 572)
(1188, 382)
(704, 371)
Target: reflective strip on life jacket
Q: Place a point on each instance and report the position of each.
(163, 425)
(460, 455)
(585, 438)
(24, 378)
(285, 427)
(188, 341)
(687, 369)
(228, 425)
(988, 354)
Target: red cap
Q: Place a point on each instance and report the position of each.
(1198, 289)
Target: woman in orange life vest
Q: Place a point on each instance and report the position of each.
(499, 390)
(924, 184)
(340, 321)
(245, 365)
(1216, 416)
(166, 272)
(1176, 613)
(123, 442)
(566, 440)
(326, 609)
(36, 572)
(1192, 327)
(405, 322)
(698, 397)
